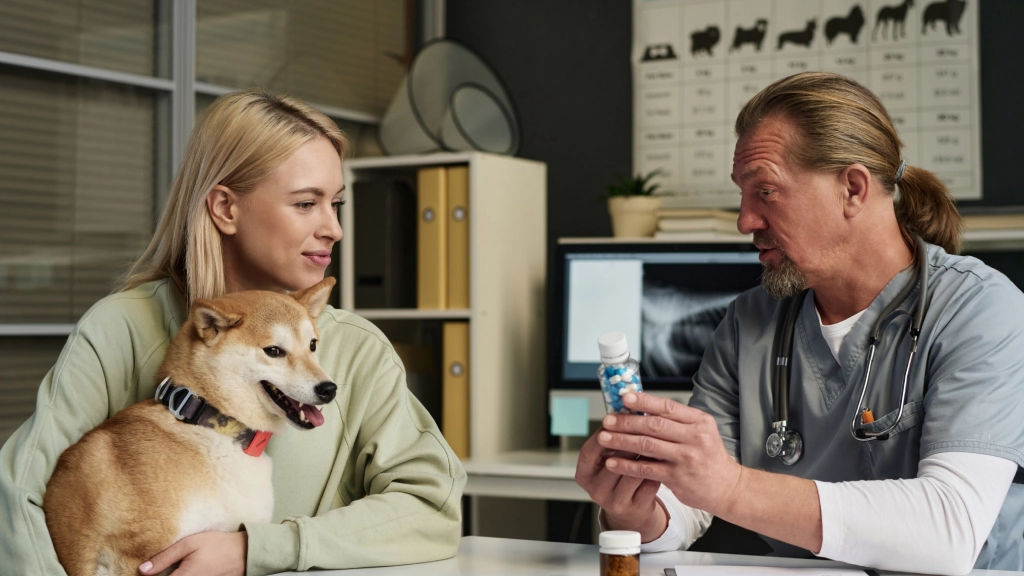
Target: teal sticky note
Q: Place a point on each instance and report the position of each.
(570, 416)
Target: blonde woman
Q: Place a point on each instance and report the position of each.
(253, 206)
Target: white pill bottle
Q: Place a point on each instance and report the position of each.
(619, 373)
(620, 553)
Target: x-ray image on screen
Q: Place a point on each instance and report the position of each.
(667, 298)
(679, 314)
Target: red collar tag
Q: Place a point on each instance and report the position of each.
(259, 443)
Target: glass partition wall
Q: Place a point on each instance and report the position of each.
(96, 101)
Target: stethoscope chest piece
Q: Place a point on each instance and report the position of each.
(785, 444)
(789, 444)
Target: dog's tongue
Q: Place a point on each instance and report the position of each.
(313, 416)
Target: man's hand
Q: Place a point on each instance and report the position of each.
(679, 447)
(628, 503)
(203, 554)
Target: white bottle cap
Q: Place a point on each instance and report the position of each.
(619, 542)
(613, 347)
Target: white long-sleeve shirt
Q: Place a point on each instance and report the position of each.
(952, 505)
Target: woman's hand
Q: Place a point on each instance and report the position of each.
(203, 554)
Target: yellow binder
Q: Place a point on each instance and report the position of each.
(458, 237)
(455, 387)
(432, 256)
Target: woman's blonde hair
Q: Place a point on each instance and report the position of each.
(840, 123)
(241, 139)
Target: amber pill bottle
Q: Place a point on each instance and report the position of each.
(620, 553)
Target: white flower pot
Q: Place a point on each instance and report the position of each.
(634, 216)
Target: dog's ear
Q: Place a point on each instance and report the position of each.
(210, 321)
(314, 298)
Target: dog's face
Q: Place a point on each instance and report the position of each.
(252, 355)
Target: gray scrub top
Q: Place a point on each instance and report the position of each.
(965, 392)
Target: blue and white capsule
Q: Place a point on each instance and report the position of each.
(619, 373)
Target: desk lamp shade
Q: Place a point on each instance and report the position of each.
(449, 100)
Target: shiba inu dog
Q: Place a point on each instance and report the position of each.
(191, 459)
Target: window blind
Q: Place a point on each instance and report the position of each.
(25, 361)
(111, 34)
(76, 191)
(339, 53)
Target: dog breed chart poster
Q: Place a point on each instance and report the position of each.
(696, 62)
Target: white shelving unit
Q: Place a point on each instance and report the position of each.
(506, 316)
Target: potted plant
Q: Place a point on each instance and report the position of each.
(633, 204)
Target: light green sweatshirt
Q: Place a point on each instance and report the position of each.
(375, 485)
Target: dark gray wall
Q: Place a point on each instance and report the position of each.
(566, 65)
(1002, 120)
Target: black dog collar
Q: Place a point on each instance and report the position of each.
(193, 409)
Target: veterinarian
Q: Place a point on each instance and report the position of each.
(879, 422)
(253, 206)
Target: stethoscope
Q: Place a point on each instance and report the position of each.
(788, 444)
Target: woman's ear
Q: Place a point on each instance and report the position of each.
(221, 203)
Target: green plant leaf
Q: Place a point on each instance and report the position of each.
(636, 185)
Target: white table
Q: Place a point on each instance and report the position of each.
(480, 556)
(533, 474)
(530, 474)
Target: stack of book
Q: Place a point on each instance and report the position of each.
(698, 225)
(994, 226)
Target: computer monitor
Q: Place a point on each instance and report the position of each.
(667, 298)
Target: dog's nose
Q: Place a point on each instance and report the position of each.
(325, 391)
